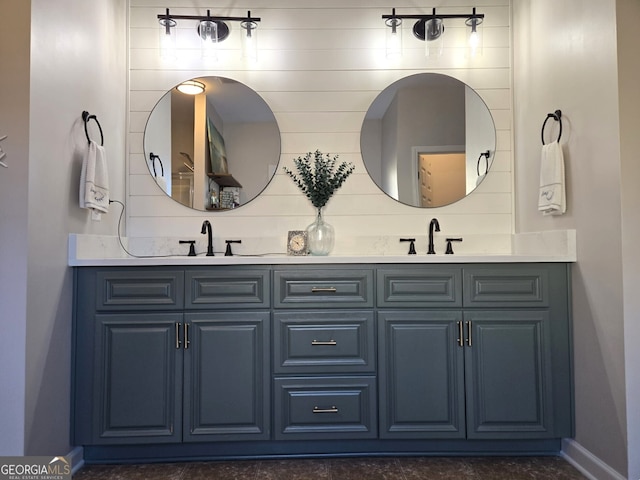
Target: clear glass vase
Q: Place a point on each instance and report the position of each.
(320, 236)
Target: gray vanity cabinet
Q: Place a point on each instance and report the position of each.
(495, 365)
(226, 382)
(421, 374)
(137, 388)
(324, 353)
(153, 365)
(304, 359)
(508, 374)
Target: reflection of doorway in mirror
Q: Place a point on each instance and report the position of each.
(442, 178)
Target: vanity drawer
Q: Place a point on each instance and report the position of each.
(506, 286)
(425, 286)
(138, 289)
(324, 342)
(225, 287)
(323, 288)
(322, 408)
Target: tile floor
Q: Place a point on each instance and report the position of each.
(406, 468)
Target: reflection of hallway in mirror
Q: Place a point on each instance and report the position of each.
(442, 178)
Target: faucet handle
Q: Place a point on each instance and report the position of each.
(228, 252)
(192, 248)
(412, 247)
(449, 250)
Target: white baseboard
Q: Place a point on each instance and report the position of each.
(77, 459)
(588, 464)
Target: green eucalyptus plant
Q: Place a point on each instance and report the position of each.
(318, 177)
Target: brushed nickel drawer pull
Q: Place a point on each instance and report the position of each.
(324, 289)
(178, 341)
(333, 409)
(187, 342)
(460, 334)
(318, 342)
(469, 340)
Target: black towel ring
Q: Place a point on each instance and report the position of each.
(486, 156)
(153, 159)
(86, 117)
(557, 116)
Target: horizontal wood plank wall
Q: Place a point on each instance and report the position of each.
(321, 64)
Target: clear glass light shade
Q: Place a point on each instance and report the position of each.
(394, 38)
(208, 31)
(475, 36)
(433, 37)
(250, 41)
(167, 39)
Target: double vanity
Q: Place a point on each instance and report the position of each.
(283, 356)
(182, 358)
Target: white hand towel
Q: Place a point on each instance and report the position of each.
(551, 196)
(94, 180)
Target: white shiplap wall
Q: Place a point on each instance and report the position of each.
(319, 69)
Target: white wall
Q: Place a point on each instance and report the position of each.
(77, 62)
(628, 17)
(565, 58)
(14, 190)
(319, 69)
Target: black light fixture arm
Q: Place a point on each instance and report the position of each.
(429, 16)
(214, 18)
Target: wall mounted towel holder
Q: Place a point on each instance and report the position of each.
(86, 117)
(153, 159)
(486, 156)
(557, 116)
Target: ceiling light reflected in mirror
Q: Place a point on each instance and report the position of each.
(191, 87)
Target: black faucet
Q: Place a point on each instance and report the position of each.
(206, 228)
(433, 224)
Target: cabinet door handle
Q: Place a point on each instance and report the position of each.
(187, 342)
(178, 342)
(333, 409)
(460, 334)
(318, 342)
(324, 289)
(469, 341)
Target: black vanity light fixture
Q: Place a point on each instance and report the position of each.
(430, 29)
(211, 29)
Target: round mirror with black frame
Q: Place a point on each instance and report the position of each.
(216, 148)
(428, 140)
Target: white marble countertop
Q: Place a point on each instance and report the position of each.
(315, 260)
(536, 247)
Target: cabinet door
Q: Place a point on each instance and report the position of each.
(508, 374)
(138, 374)
(421, 374)
(226, 389)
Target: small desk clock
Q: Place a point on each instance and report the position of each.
(297, 242)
